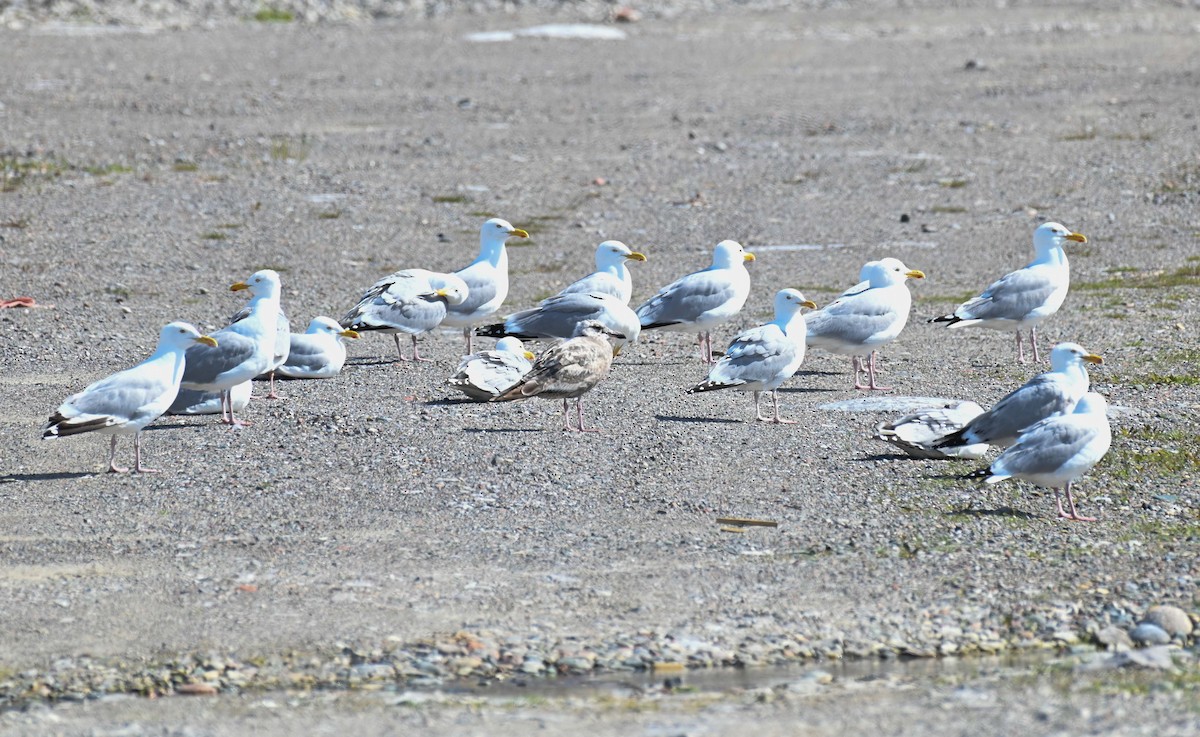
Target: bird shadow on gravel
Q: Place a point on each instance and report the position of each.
(12, 478)
(680, 418)
(480, 430)
(997, 512)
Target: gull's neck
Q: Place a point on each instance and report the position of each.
(492, 251)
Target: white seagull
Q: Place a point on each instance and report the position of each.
(127, 401)
(410, 301)
(1027, 296)
(486, 278)
(558, 316)
(1057, 451)
(762, 358)
(916, 433)
(1052, 393)
(700, 301)
(487, 374)
(245, 349)
(318, 352)
(865, 317)
(611, 275)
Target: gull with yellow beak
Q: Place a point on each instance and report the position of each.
(1027, 296)
(762, 358)
(1052, 393)
(698, 302)
(412, 301)
(488, 374)
(865, 317)
(129, 400)
(486, 278)
(244, 349)
(317, 353)
(611, 275)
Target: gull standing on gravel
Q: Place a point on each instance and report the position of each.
(1057, 451)
(486, 278)
(558, 316)
(127, 401)
(283, 333)
(1027, 296)
(318, 352)
(762, 358)
(568, 371)
(700, 301)
(1052, 393)
(611, 275)
(410, 301)
(865, 317)
(916, 433)
(488, 374)
(244, 349)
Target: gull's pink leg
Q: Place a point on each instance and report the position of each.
(1033, 339)
(758, 415)
(1058, 502)
(399, 350)
(112, 457)
(1074, 515)
(700, 341)
(233, 421)
(417, 353)
(871, 381)
(857, 364)
(469, 334)
(579, 412)
(777, 419)
(1020, 348)
(271, 394)
(566, 416)
(137, 455)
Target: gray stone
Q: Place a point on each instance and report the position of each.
(1171, 619)
(1114, 638)
(1149, 634)
(1153, 658)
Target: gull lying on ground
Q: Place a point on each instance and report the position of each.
(318, 352)
(916, 433)
(1054, 392)
(1025, 297)
(1056, 451)
(488, 374)
(865, 317)
(568, 370)
(244, 349)
(702, 300)
(761, 359)
(410, 301)
(127, 401)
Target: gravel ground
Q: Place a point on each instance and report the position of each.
(374, 531)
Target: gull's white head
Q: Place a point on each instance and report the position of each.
(509, 344)
(888, 271)
(789, 301)
(264, 283)
(454, 294)
(329, 326)
(1092, 404)
(1065, 355)
(730, 253)
(498, 230)
(182, 335)
(612, 253)
(1048, 236)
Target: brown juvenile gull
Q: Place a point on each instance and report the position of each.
(127, 401)
(1056, 451)
(568, 370)
(1027, 296)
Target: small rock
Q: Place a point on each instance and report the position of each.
(1149, 634)
(196, 689)
(1171, 619)
(1155, 658)
(1114, 638)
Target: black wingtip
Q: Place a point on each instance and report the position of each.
(948, 319)
(980, 473)
(495, 330)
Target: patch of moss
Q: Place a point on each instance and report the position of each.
(213, 236)
(1183, 276)
(329, 215)
(274, 15)
(952, 183)
(449, 198)
(284, 149)
(184, 166)
(106, 169)
(947, 209)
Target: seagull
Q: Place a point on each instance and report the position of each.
(200, 402)
(487, 374)
(703, 299)
(762, 358)
(1052, 393)
(411, 301)
(1056, 451)
(611, 275)
(245, 348)
(283, 332)
(866, 316)
(916, 433)
(486, 278)
(317, 353)
(127, 401)
(568, 370)
(1027, 296)
(558, 316)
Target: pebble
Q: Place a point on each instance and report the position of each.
(1114, 638)
(1149, 634)
(1171, 619)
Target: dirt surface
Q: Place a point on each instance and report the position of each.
(145, 172)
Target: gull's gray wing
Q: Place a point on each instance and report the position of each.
(853, 319)
(1012, 297)
(687, 298)
(205, 363)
